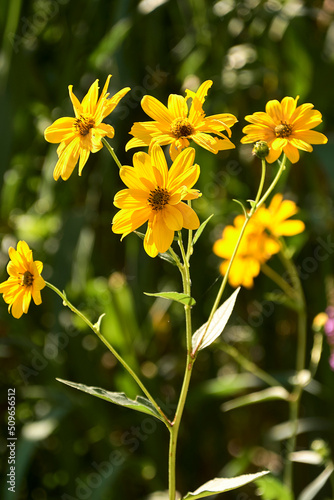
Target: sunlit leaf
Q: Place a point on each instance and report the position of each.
(119, 398)
(204, 336)
(201, 229)
(313, 488)
(183, 298)
(257, 397)
(306, 457)
(220, 485)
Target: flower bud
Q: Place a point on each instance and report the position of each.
(261, 149)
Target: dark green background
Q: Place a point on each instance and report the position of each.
(253, 51)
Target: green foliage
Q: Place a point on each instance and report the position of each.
(253, 52)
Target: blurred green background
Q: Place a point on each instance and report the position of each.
(71, 445)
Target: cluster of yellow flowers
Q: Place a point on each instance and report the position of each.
(260, 240)
(155, 193)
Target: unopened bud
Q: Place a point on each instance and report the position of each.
(261, 149)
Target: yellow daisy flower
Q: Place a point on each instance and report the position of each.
(155, 194)
(256, 247)
(274, 218)
(176, 124)
(82, 135)
(285, 127)
(259, 242)
(24, 280)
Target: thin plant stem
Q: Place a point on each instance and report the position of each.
(249, 365)
(96, 329)
(112, 152)
(174, 429)
(300, 362)
(275, 181)
(255, 205)
(277, 278)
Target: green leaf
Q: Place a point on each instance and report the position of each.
(220, 485)
(97, 325)
(205, 335)
(313, 488)
(183, 298)
(281, 298)
(242, 206)
(201, 229)
(141, 235)
(271, 488)
(119, 398)
(166, 256)
(257, 397)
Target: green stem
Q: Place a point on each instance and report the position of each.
(249, 365)
(275, 181)
(96, 329)
(300, 361)
(277, 278)
(174, 429)
(112, 152)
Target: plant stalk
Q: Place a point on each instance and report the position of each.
(96, 329)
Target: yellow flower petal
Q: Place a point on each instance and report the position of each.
(156, 110)
(172, 218)
(162, 235)
(190, 219)
(126, 221)
(177, 106)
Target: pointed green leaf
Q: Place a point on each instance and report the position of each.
(97, 325)
(205, 335)
(183, 298)
(242, 206)
(166, 256)
(257, 397)
(306, 457)
(313, 488)
(201, 229)
(141, 235)
(119, 398)
(220, 485)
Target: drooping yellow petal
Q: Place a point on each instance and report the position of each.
(60, 130)
(162, 235)
(126, 221)
(172, 217)
(190, 219)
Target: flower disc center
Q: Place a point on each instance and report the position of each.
(83, 124)
(181, 127)
(27, 279)
(283, 130)
(159, 197)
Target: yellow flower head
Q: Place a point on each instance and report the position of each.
(256, 247)
(285, 127)
(176, 124)
(259, 242)
(155, 194)
(274, 218)
(82, 135)
(24, 280)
